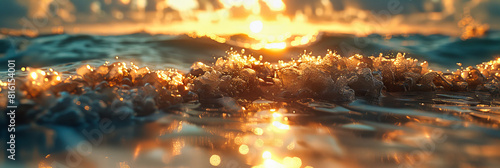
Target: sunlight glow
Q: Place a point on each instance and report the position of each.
(183, 5)
(280, 125)
(288, 162)
(275, 5)
(141, 4)
(269, 163)
(248, 4)
(273, 37)
(34, 75)
(256, 26)
(281, 45)
(126, 2)
(266, 155)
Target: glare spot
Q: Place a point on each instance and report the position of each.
(275, 5)
(215, 160)
(183, 5)
(258, 131)
(247, 4)
(279, 125)
(141, 4)
(281, 45)
(266, 155)
(34, 75)
(126, 2)
(95, 7)
(269, 163)
(244, 149)
(256, 26)
(294, 162)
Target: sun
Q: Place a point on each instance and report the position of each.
(256, 26)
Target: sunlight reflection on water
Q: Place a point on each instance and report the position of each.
(290, 135)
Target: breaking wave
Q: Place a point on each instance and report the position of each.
(231, 84)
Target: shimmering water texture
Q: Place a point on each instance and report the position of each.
(240, 111)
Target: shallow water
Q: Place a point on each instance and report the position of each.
(402, 130)
(399, 129)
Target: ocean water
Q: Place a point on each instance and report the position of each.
(181, 51)
(96, 109)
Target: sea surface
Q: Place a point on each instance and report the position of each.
(181, 51)
(439, 128)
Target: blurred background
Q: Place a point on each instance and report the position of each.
(443, 32)
(233, 16)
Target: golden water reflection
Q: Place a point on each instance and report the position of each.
(259, 41)
(281, 135)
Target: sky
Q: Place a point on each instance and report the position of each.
(235, 16)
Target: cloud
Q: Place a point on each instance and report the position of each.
(10, 13)
(409, 12)
(487, 12)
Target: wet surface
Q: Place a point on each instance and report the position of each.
(400, 130)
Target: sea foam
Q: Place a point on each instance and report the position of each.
(126, 91)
